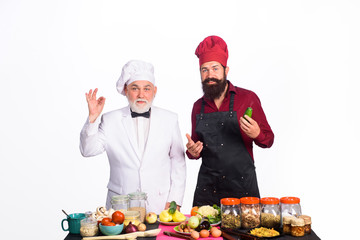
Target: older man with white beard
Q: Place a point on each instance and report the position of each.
(143, 143)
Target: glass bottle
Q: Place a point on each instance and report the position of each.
(270, 216)
(230, 213)
(138, 203)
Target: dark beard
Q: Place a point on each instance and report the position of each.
(214, 91)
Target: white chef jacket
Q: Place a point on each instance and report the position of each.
(159, 170)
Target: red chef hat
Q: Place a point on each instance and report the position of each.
(212, 48)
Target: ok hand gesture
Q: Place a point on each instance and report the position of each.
(194, 148)
(95, 105)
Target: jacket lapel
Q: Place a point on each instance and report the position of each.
(129, 127)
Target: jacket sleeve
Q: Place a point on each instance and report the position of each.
(178, 167)
(266, 136)
(92, 140)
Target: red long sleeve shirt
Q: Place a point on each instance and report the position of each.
(243, 99)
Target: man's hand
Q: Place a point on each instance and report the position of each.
(250, 127)
(194, 148)
(95, 105)
(167, 206)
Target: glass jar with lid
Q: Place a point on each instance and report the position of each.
(133, 217)
(88, 226)
(290, 206)
(250, 212)
(270, 216)
(230, 213)
(297, 227)
(307, 220)
(138, 203)
(120, 202)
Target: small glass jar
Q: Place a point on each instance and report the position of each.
(138, 203)
(297, 227)
(133, 217)
(307, 220)
(88, 226)
(250, 212)
(287, 224)
(230, 213)
(120, 202)
(270, 212)
(290, 206)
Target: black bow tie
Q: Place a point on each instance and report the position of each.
(145, 114)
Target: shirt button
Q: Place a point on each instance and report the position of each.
(222, 124)
(206, 124)
(223, 177)
(222, 144)
(214, 191)
(204, 189)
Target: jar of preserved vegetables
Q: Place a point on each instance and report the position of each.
(250, 212)
(230, 213)
(297, 227)
(270, 216)
(287, 224)
(290, 206)
(138, 203)
(120, 202)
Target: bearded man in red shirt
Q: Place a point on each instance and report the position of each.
(221, 136)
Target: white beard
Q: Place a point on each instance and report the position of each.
(139, 109)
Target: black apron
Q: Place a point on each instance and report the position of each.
(227, 169)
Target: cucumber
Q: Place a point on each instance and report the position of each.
(173, 207)
(248, 112)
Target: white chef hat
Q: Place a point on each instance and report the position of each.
(135, 70)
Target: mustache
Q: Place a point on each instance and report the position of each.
(207, 80)
(140, 100)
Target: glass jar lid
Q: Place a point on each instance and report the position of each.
(249, 200)
(137, 196)
(269, 200)
(230, 201)
(120, 198)
(290, 200)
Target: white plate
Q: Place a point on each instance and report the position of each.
(171, 223)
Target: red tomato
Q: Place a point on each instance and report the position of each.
(109, 224)
(105, 221)
(118, 217)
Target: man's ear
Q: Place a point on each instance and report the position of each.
(155, 90)
(125, 89)
(226, 70)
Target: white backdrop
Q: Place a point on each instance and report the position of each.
(300, 57)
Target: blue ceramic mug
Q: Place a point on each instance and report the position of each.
(73, 222)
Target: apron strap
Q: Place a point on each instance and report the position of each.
(202, 109)
(231, 105)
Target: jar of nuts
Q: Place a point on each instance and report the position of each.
(230, 213)
(250, 212)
